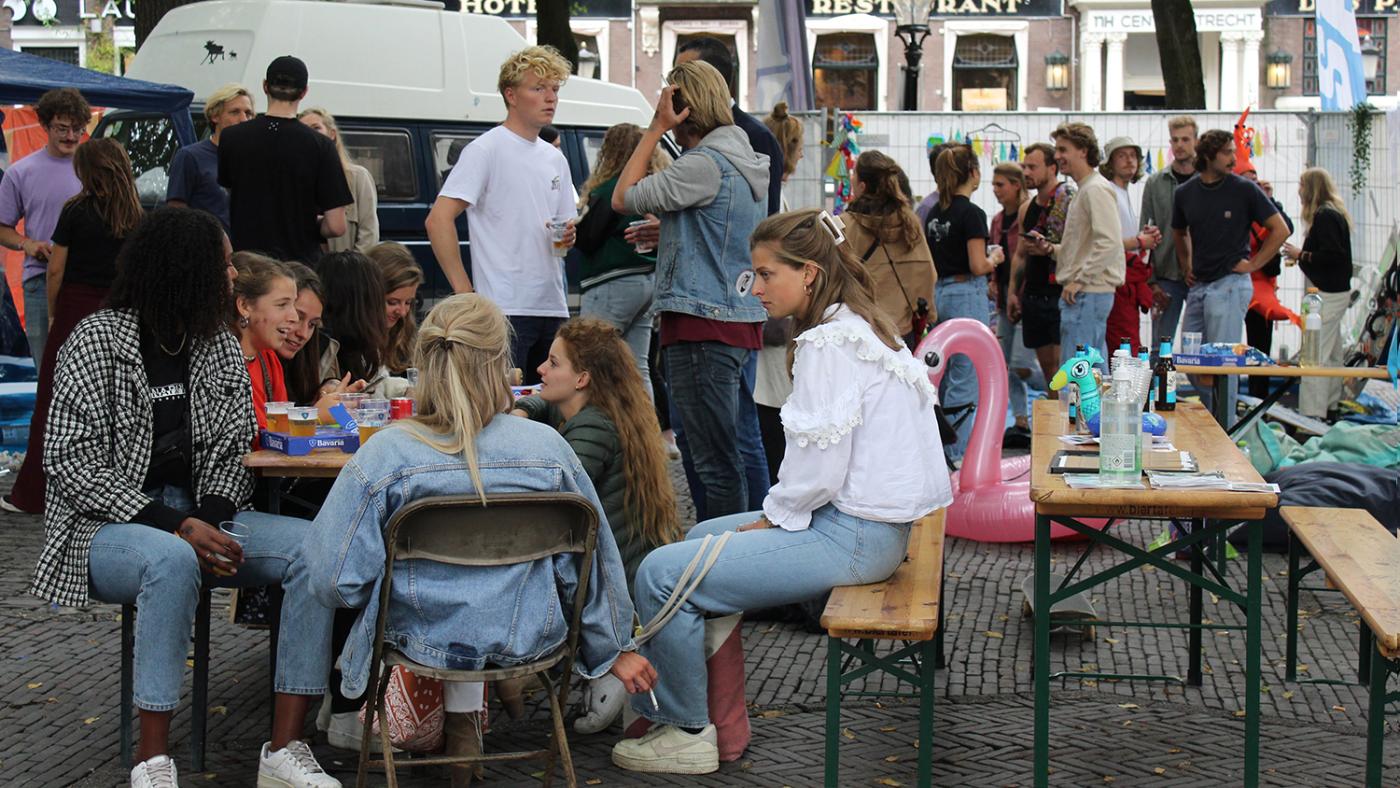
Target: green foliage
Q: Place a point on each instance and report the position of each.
(1360, 125)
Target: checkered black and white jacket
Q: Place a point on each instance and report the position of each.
(97, 447)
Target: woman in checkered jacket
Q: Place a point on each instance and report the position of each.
(147, 430)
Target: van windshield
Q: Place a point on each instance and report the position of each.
(150, 142)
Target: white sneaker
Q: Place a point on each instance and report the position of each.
(292, 766)
(7, 506)
(345, 732)
(666, 749)
(158, 772)
(603, 700)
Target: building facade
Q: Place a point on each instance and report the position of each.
(72, 31)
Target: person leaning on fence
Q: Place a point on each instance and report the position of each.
(150, 421)
(462, 443)
(841, 510)
(1327, 262)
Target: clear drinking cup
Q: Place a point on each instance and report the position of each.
(370, 422)
(277, 416)
(238, 532)
(303, 422)
(643, 247)
(557, 228)
(1191, 343)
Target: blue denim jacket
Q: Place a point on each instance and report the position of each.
(458, 616)
(704, 249)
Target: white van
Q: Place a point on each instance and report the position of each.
(409, 84)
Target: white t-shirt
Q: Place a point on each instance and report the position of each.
(513, 188)
(1126, 215)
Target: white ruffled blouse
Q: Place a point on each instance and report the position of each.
(860, 427)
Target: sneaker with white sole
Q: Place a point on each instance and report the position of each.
(7, 505)
(603, 700)
(158, 772)
(666, 749)
(345, 732)
(292, 766)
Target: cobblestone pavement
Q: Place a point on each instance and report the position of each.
(58, 718)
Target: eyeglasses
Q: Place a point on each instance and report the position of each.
(63, 130)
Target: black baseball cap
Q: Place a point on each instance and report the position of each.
(288, 71)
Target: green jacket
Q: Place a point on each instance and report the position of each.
(1157, 208)
(612, 257)
(594, 439)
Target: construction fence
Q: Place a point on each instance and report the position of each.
(1287, 143)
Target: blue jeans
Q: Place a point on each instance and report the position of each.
(960, 299)
(1084, 323)
(751, 448)
(838, 549)
(626, 303)
(36, 316)
(705, 380)
(158, 572)
(1009, 334)
(1216, 310)
(529, 342)
(1164, 325)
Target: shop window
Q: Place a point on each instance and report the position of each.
(67, 55)
(1373, 26)
(729, 43)
(845, 71)
(388, 155)
(984, 73)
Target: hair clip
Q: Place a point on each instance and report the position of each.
(834, 225)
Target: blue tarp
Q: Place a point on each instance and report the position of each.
(24, 78)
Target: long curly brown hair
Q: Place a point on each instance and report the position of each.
(616, 388)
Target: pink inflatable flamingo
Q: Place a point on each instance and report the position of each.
(991, 496)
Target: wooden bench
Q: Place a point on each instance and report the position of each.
(1362, 560)
(904, 608)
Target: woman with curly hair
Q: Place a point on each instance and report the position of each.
(144, 454)
(402, 278)
(591, 392)
(89, 234)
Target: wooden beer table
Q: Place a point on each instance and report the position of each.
(1190, 428)
(274, 466)
(1290, 375)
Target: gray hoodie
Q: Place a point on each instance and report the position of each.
(693, 181)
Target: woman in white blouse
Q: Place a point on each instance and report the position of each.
(863, 461)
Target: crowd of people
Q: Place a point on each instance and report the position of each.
(773, 341)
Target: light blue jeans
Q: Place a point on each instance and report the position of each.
(838, 549)
(1216, 310)
(626, 303)
(1012, 348)
(1084, 323)
(1164, 325)
(959, 387)
(158, 572)
(36, 316)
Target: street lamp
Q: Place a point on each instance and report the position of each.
(1370, 57)
(911, 25)
(587, 62)
(1279, 75)
(1056, 71)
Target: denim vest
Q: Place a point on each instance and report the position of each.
(703, 250)
(462, 617)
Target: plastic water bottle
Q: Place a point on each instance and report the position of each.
(1120, 432)
(1312, 329)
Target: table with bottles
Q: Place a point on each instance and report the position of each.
(1198, 520)
(1223, 377)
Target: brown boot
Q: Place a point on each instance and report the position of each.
(462, 731)
(511, 692)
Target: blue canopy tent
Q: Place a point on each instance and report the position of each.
(24, 78)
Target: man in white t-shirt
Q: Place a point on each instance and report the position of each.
(512, 184)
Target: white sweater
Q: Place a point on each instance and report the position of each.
(860, 427)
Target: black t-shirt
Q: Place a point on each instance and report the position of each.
(167, 377)
(1039, 268)
(949, 229)
(92, 249)
(280, 175)
(1219, 216)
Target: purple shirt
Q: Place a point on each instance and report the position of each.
(926, 205)
(34, 189)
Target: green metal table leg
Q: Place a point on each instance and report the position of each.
(1375, 720)
(1290, 669)
(926, 692)
(1193, 638)
(1041, 657)
(833, 712)
(1222, 401)
(1364, 657)
(1253, 657)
